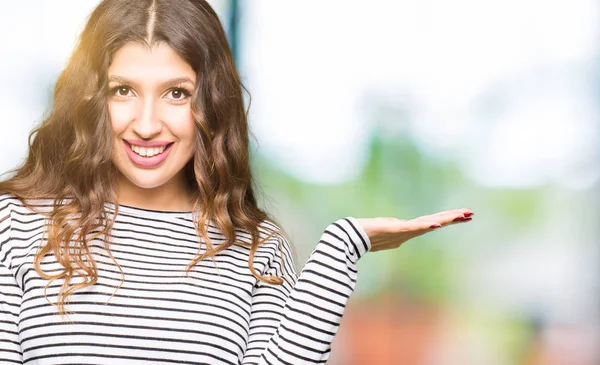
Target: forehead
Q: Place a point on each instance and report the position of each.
(137, 61)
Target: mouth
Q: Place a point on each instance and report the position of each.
(147, 156)
(148, 152)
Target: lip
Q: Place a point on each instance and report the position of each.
(147, 161)
(140, 143)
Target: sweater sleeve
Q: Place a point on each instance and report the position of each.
(295, 323)
(10, 297)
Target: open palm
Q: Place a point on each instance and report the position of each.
(388, 233)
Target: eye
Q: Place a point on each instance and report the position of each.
(121, 90)
(178, 94)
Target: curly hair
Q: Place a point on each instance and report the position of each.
(69, 157)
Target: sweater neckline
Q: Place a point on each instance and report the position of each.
(151, 213)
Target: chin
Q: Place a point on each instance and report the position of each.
(146, 182)
(166, 174)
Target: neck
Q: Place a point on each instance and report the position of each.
(171, 196)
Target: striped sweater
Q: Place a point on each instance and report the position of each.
(219, 314)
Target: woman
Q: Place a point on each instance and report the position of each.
(131, 233)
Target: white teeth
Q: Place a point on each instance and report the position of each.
(148, 152)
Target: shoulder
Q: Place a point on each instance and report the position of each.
(271, 237)
(279, 240)
(11, 204)
(7, 200)
(18, 218)
(7, 204)
(21, 223)
(268, 228)
(270, 231)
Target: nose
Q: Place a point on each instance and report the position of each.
(147, 124)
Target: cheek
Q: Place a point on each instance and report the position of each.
(120, 115)
(180, 122)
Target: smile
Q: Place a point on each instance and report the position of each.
(147, 156)
(148, 151)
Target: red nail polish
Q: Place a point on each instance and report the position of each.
(460, 219)
(468, 214)
(436, 226)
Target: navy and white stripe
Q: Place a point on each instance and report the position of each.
(220, 314)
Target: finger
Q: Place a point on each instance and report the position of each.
(446, 220)
(423, 225)
(452, 212)
(435, 225)
(459, 221)
(448, 215)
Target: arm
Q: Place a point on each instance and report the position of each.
(10, 299)
(296, 322)
(10, 347)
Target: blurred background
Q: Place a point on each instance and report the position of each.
(404, 108)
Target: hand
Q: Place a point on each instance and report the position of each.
(388, 233)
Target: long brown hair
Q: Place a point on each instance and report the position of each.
(69, 156)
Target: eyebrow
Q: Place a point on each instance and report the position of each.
(166, 83)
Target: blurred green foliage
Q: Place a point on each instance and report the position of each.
(399, 180)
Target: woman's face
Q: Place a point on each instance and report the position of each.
(151, 116)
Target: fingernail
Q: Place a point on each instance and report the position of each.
(460, 219)
(437, 225)
(468, 214)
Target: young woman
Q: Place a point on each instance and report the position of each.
(131, 233)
